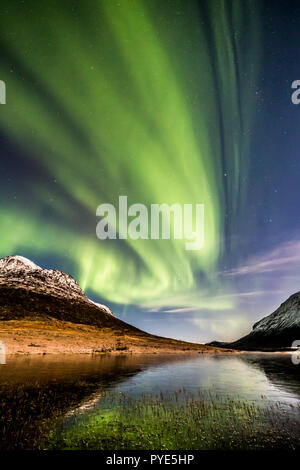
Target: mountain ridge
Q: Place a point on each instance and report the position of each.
(46, 311)
(275, 331)
(26, 289)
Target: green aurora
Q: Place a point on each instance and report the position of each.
(149, 99)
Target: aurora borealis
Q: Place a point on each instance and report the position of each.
(164, 101)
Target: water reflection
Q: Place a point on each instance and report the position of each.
(34, 391)
(252, 377)
(279, 370)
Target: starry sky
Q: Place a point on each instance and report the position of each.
(165, 101)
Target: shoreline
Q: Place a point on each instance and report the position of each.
(51, 336)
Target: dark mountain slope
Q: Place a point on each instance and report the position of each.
(45, 310)
(28, 291)
(278, 330)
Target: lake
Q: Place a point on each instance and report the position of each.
(65, 396)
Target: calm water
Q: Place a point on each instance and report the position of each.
(247, 376)
(256, 378)
(34, 390)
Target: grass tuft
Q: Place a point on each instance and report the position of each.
(179, 420)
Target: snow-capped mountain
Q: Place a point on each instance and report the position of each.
(278, 330)
(28, 290)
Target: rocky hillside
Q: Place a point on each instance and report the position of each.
(45, 311)
(28, 291)
(275, 331)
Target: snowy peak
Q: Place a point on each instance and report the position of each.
(17, 263)
(18, 272)
(286, 316)
(277, 331)
(29, 291)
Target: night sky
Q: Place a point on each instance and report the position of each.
(165, 101)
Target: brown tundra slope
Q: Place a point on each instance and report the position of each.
(45, 311)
